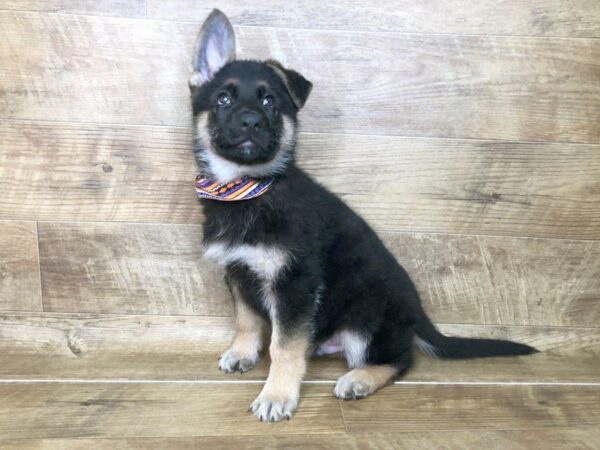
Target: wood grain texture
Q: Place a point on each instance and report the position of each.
(416, 408)
(51, 346)
(503, 102)
(481, 187)
(128, 410)
(128, 268)
(71, 335)
(134, 72)
(134, 410)
(579, 18)
(89, 172)
(581, 438)
(80, 334)
(484, 279)
(139, 364)
(158, 269)
(19, 267)
(115, 8)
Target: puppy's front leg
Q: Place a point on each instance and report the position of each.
(279, 397)
(247, 343)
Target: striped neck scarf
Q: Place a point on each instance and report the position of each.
(232, 191)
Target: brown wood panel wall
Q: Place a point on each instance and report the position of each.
(117, 8)
(144, 174)
(128, 268)
(134, 72)
(158, 269)
(577, 18)
(50, 346)
(474, 127)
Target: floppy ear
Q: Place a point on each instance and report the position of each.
(297, 86)
(215, 47)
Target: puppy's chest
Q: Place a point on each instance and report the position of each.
(265, 261)
(228, 232)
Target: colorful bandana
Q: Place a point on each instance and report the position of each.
(243, 189)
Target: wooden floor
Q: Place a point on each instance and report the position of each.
(471, 131)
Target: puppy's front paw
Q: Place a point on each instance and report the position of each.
(232, 361)
(273, 410)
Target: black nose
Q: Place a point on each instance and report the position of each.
(251, 121)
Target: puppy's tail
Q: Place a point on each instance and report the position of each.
(433, 343)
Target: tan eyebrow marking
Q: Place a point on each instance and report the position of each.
(231, 81)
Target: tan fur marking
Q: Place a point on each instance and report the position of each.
(363, 381)
(282, 76)
(231, 81)
(289, 133)
(247, 343)
(196, 80)
(248, 328)
(288, 365)
(202, 129)
(375, 376)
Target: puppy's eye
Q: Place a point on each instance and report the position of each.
(268, 101)
(224, 100)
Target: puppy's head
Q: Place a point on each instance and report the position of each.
(245, 112)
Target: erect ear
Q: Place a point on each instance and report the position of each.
(297, 86)
(215, 47)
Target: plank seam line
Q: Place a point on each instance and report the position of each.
(343, 415)
(323, 382)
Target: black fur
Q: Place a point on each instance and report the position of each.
(341, 276)
(363, 286)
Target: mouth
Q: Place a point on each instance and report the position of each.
(245, 152)
(246, 148)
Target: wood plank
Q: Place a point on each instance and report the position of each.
(19, 267)
(130, 410)
(164, 410)
(97, 268)
(422, 408)
(493, 280)
(81, 346)
(115, 8)
(89, 172)
(139, 364)
(134, 72)
(564, 340)
(582, 438)
(481, 187)
(128, 268)
(86, 334)
(530, 17)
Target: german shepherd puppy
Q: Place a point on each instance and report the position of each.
(296, 257)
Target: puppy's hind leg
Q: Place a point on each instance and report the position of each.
(247, 343)
(387, 355)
